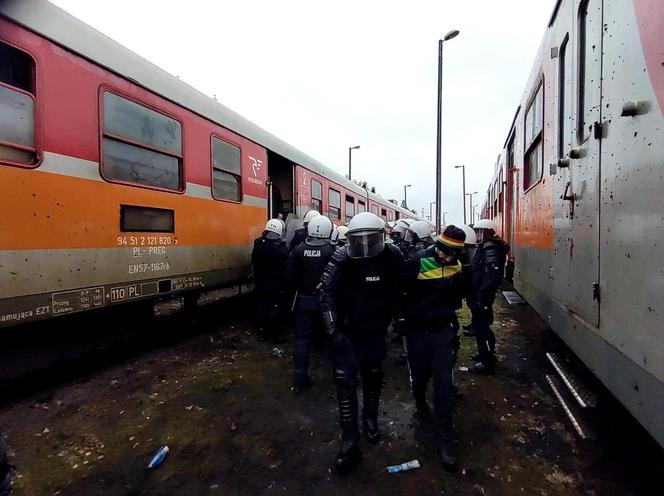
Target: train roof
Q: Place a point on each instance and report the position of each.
(64, 29)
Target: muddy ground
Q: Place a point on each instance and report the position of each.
(221, 401)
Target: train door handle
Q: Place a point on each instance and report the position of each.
(570, 198)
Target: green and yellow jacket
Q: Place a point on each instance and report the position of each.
(433, 289)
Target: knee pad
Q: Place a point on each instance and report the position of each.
(344, 377)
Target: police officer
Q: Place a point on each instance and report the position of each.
(342, 231)
(268, 259)
(420, 232)
(402, 236)
(487, 274)
(301, 234)
(5, 474)
(358, 295)
(434, 289)
(304, 270)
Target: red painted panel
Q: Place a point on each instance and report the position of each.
(67, 95)
(650, 16)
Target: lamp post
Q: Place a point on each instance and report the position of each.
(463, 170)
(431, 204)
(470, 205)
(405, 198)
(444, 221)
(474, 213)
(350, 159)
(447, 37)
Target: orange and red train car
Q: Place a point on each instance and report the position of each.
(121, 183)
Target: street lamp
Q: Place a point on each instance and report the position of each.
(444, 221)
(452, 34)
(431, 204)
(463, 170)
(470, 205)
(473, 214)
(405, 199)
(350, 150)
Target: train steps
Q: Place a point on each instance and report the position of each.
(574, 398)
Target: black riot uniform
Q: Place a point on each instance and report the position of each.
(304, 270)
(299, 236)
(5, 474)
(433, 291)
(268, 259)
(358, 296)
(487, 275)
(420, 244)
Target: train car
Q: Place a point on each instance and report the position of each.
(584, 194)
(121, 183)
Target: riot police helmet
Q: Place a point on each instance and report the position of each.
(485, 229)
(274, 229)
(319, 231)
(366, 235)
(420, 229)
(471, 239)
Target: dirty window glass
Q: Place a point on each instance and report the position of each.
(17, 121)
(226, 156)
(226, 186)
(127, 119)
(125, 162)
(534, 117)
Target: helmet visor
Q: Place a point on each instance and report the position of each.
(365, 244)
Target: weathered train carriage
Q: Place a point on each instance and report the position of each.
(119, 182)
(585, 160)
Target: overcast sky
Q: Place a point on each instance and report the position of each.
(324, 76)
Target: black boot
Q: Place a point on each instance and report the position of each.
(349, 455)
(447, 457)
(372, 383)
(371, 430)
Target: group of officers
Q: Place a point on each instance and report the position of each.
(353, 282)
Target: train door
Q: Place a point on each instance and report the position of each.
(578, 183)
(280, 187)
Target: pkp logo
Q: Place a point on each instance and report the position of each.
(256, 165)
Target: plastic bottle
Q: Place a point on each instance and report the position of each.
(411, 465)
(158, 458)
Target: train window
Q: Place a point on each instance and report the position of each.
(350, 208)
(316, 196)
(226, 170)
(533, 139)
(563, 115)
(335, 204)
(140, 145)
(383, 214)
(17, 107)
(361, 207)
(374, 209)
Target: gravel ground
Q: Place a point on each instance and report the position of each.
(221, 401)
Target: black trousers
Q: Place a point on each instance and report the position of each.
(364, 354)
(308, 322)
(432, 354)
(269, 304)
(486, 339)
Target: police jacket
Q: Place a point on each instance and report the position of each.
(299, 236)
(358, 295)
(268, 259)
(488, 266)
(467, 273)
(421, 245)
(306, 264)
(433, 290)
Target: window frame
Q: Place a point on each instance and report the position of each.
(128, 141)
(364, 206)
(581, 70)
(562, 94)
(329, 204)
(538, 139)
(212, 168)
(320, 200)
(346, 207)
(37, 113)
